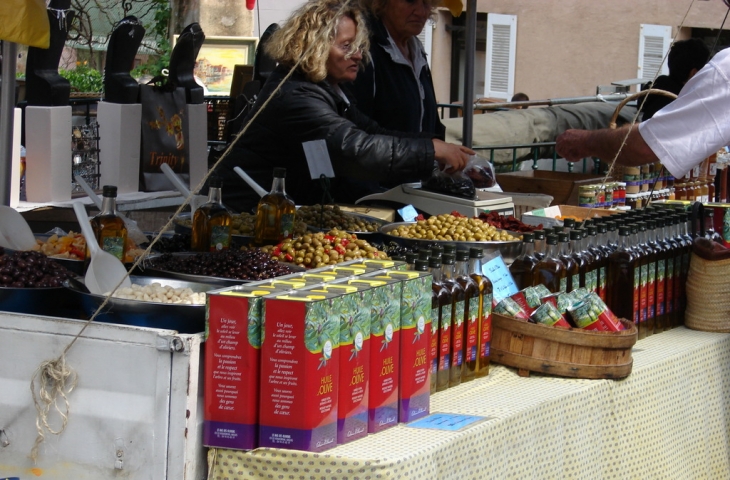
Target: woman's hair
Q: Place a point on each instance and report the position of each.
(310, 32)
(377, 7)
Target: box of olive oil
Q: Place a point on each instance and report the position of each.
(299, 371)
(232, 367)
(415, 341)
(384, 350)
(352, 407)
(378, 264)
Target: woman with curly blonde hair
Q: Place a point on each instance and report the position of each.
(321, 47)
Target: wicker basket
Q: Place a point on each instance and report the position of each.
(572, 353)
(708, 303)
(619, 170)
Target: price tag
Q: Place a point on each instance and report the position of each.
(447, 421)
(318, 159)
(502, 282)
(408, 213)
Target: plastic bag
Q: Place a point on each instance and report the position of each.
(480, 171)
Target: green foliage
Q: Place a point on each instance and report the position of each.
(160, 30)
(84, 79)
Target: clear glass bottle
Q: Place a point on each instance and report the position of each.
(458, 322)
(212, 222)
(600, 259)
(572, 272)
(539, 236)
(471, 315)
(485, 310)
(275, 213)
(523, 266)
(108, 226)
(550, 271)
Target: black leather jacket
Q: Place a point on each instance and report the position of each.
(389, 92)
(301, 111)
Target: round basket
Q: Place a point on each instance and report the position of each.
(708, 305)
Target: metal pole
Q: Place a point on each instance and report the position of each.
(7, 104)
(470, 50)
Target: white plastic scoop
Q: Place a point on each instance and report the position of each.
(15, 233)
(251, 182)
(105, 271)
(133, 230)
(196, 200)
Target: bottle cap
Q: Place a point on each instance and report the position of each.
(569, 222)
(411, 258)
(462, 255)
(551, 239)
(539, 234)
(476, 252)
(279, 172)
(447, 258)
(528, 237)
(623, 231)
(421, 266)
(449, 248)
(434, 262)
(215, 182)
(575, 235)
(562, 237)
(109, 191)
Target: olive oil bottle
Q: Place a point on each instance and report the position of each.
(624, 280)
(440, 328)
(108, 226)
(550, 271)
(522, 266)
(275, 213)
(212, 222)
(457, 318)
(572, 273)
(485, 310)
(471, 315)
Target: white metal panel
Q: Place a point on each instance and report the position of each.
(121, 410)
(499, 74)
(654, 41)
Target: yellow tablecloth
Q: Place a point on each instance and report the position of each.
(668, 419)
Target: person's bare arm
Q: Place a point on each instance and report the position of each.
(575, 145)
(452, 157)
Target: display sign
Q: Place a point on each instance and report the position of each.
(502, 282)
(450, 422)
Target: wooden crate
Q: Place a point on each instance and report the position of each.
(562, 186)
(575, 353)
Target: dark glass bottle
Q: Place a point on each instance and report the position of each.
(457, 317)
(580, 261)
(649, 259)
(539, 236)
(600, 260)
(471, 315)
(485, 310)
(624, 280)
(654, 227)
(683, 241)
(550, 271)
(440, 329)
(275, 213)
(710, 232)
(672, 268)
(588, 274)
(108, 226)
(523, 266)
(572, 273)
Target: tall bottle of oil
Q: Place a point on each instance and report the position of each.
(539, 244)
(523, 266)
(457, 317)
(611, 236)
(660, 283)
(586, 264)
(683, 241)
(600, 259)
(575, 238)
(550, 271)
(108, 226)
(710, 232)
(471, 315)
(275, 213)
(212, 222)
(568, 225)
(672, 267)
(485, 310)
(440, 329)
(642, 275)
(624, 280)
(649, 259)
(572, 272)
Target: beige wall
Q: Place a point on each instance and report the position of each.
(566, 48)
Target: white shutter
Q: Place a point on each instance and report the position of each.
(426, 38)
(499, 74)
(654, 42)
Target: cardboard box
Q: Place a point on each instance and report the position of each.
(299, 372)
(355, 324)
(232, 367)
(415, 341)
(384, 351)
(547, 216)
(562, 186)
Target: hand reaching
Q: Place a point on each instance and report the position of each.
(451, 157)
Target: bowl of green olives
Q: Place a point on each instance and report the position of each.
(323, 218)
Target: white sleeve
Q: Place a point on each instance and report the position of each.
(697, 123)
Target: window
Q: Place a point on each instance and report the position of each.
(654, 42)
(499, 73)
(426, 38)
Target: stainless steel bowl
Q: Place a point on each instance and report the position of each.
(367, 236)
(183, 318)
(509, 250)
